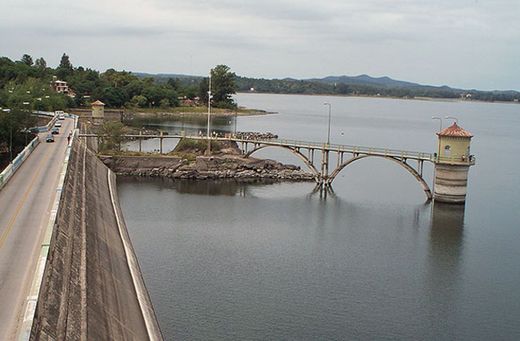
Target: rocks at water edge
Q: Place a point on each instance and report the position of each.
(205, 167)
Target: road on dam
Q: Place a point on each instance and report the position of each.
(25, 205)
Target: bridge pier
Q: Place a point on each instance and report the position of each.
(324, 176)
(161, 143)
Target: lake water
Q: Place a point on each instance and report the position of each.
(229, 261)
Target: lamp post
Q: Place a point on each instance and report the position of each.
(29, 112)
(182, 124)
(440, 128)
(236, 113)
(328, 134)
(440, 121)
(452, 118)
(209, 113)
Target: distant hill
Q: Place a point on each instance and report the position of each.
(165, 76)
(363, 85)
(366, 79)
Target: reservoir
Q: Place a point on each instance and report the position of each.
(373, 260)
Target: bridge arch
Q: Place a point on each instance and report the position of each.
(305, 160)
(400, 162)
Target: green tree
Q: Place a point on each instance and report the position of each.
(113, 131)
(27, 60)
(223, 86)
(139, 101)
(65, 69)
(164, 103)
(14, 126)
(203, 90)
(40, 63)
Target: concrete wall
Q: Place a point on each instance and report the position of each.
(109, 114)
(92, 286)
(451, 183)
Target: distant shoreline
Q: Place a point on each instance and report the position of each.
(429, 99)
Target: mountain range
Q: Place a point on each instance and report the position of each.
(352, 85)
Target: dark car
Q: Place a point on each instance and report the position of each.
(55, 131)
(49, 138)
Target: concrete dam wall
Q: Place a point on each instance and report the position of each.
(92, 287)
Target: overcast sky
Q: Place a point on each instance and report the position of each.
(462, 43)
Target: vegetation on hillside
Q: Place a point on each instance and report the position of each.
(28, 81)
(26, 85)
(367, 86)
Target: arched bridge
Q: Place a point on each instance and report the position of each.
(308, 152)
(344, 155)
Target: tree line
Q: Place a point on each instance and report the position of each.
(25, 86)
(28, 81)
(316, 87)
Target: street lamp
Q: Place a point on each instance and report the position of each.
(209, 112)
(438, 142)
(452, 118)
(440, 121)
(236, 113)
(328, 134)
(29, 112)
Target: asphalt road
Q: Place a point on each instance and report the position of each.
(25, 204)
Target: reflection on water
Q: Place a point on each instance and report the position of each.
(443, 275)
(229, 187)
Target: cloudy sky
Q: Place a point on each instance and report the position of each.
(462, 43)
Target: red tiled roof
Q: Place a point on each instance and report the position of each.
(455, 131)
(98, 102)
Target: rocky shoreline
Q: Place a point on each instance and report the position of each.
(205, 167)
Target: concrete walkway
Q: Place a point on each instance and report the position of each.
(25, 204)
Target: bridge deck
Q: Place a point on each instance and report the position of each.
(413, 155)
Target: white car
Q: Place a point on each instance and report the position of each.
(61, 117)
(57, 124)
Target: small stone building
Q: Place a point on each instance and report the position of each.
(98, 110)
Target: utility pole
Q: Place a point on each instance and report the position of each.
(209, 114)
(328, 135)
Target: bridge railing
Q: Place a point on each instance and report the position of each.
(463, 160)
(301, 144)
(343, 148)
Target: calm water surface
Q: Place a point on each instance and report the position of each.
(258, 261)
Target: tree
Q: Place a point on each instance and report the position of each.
(174, 83)
(203, 90)
(113, 130)
(223, 86)
(139, 101)
(40, 63)
(65, 62)
(27, 60)
(13, 129)
(65, 68)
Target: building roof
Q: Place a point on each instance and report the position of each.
(455, 131)
(98, 102)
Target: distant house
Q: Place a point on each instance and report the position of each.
(186, 102)
(62, 87)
